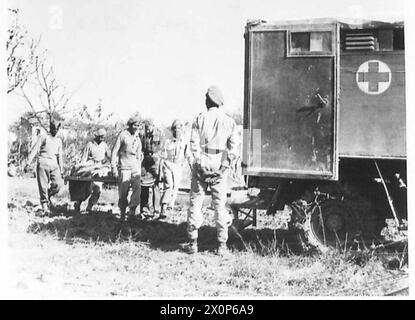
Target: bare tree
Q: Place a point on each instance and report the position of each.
(46, 98)
(32, 77)
(21, 53)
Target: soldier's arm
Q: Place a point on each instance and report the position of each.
(115, 150)
(188, 155)
(85, 153)
(107, 152)
(163, 153)
(140, 155)
(34, 150)
(231, 145)
(195, 141)
(60, 156)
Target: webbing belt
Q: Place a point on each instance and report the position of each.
(213, 151)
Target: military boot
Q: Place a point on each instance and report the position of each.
(122, 215)
(191, 247)
(131, 214)
(77, 207)
(89, 208)
(163, 212)
(145, 211)
(222, 249)
(45, 209)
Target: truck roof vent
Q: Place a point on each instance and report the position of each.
(360, 41)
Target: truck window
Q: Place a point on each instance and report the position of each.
(310, 43)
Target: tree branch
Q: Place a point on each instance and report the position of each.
(33, 108)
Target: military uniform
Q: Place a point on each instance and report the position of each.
(174, 152)
(151, 142)
(49, 166)
(94, 153)
(126, 156)
(212, 143)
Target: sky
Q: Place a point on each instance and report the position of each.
(159, 57)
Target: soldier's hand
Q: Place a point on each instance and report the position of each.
(114, 172)
(206, 172)
(26, 168)
(214, 176)
(197, 170)
(222, 170)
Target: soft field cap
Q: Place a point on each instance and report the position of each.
(176, 123)
(215, 95)
(100, 132)
(133, 120)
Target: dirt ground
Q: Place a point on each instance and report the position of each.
(97, 256)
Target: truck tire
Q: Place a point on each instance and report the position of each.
(332, 224)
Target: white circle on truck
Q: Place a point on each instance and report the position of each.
(373, 77)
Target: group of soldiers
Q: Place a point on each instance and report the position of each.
(138, 153)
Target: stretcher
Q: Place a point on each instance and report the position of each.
(105, 179)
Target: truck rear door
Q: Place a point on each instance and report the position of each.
(290, 112)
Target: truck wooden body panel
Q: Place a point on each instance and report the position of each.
(317, 91)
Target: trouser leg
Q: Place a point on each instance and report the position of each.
(153, 169)
(168, 185)
(56, 181)
(77, 205)
(194, 214)
(145, 193)
(123, 185)
(156, 197)
(42, 176)
(135, 181)
(96, 192)
(222, 217)
(177, 176)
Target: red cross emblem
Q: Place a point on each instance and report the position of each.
(373, 77)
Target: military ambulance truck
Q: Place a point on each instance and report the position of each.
(325, 125)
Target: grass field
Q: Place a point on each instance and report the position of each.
(96, 256)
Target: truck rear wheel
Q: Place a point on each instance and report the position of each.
(332, 224)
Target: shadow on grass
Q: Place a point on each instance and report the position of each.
(166, 236)
(106, 227)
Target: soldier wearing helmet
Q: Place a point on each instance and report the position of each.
(174, 152)
(96, 152)
(126, 166)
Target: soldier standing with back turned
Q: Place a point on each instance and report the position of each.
(212, 143)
